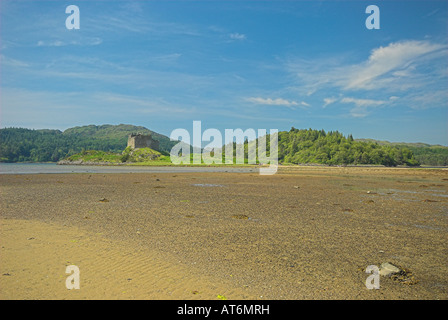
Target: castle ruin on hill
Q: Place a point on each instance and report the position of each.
(138, 140)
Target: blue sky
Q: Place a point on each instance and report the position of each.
(230, 64)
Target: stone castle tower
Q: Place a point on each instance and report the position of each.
(142, 141)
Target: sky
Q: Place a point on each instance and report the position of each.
(229, 64)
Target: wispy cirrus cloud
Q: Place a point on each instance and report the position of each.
(85, 41)
(397, 66)
(361, 106)
(6, 61)
(135, 22)
(276, 102)
(363, 102)
(394, 61)
(410, 73)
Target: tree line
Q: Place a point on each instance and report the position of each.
(296, 146)
(25, 145)
(28, 145)
(299, 146)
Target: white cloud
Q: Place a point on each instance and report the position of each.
(361, 106)
(399, 66)
(363, 102)
(85, 41)
(275, 102)
(425, 100)
(237, 36)
(329, 101)
(410, 74)
(396, 57)
(56, 43)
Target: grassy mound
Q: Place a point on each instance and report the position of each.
(128, 156)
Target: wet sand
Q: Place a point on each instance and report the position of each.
(303, 233)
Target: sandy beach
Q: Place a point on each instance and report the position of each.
(303, 233)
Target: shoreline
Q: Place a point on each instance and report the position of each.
(107, 169)
(78, 163)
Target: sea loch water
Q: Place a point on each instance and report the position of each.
(35, 168)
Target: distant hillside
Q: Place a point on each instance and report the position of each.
(297, 146)
(22, 145)
(406, 144)
(333, 148)
(426, 154)
(118, 134)
(308, 146)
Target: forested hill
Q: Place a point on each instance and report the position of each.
(333, 148)
(21, 145)
(431, 155)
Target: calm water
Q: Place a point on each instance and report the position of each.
(31, 168)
